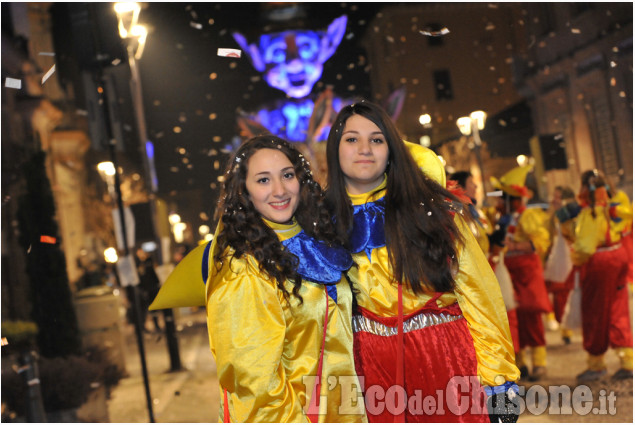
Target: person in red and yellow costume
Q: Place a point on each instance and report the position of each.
(431, 337)
(482, 230)
(521, 233)
(603, 263)
(621, 213)
(558, 266)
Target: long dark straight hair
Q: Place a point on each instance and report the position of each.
(421, 234)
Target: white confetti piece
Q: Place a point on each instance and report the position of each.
(196, 25)
(13, 83)
(229, 53)
(46, 54)
(48, 74)
(495, 193)
(442, 31)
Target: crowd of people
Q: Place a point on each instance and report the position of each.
(570, 267)
(390, 287)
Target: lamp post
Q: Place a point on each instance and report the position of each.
(135, 37)
(108, 171)
(472, 125)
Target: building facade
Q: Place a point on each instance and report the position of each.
(452, 59)
(578, 78)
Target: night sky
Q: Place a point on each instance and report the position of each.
(187, 85)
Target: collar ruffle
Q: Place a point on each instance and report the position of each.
(317, 261)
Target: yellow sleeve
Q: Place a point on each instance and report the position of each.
(622, 209)
(247, 328)
(533, 224)
(590, 233)
(481, 301)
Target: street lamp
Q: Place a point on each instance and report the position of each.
(127, 15)
(107, 172)
(135, 37)
(472, 125)
(110, 255)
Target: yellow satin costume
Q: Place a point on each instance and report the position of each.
(533, 227)
(267, 349)
(481, 230)
(477, 292)
(606, 265)
(591, 233)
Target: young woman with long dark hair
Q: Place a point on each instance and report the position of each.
(432, 324)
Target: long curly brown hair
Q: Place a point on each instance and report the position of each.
(246, 233)
(419, 224)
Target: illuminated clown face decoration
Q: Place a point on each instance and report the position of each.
(292, 61)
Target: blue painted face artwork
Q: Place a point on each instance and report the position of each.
(292, 61)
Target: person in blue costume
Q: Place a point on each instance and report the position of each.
(432, 341)
(277, 298)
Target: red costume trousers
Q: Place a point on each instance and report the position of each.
(533, 300)
(512, 318)
(605, 318)
(627, 241)
(560, 292)
(439, 367)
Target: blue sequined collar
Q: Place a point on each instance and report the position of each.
(317, 261)
(368, 226)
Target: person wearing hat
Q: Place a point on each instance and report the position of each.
(603, 263)
(521, 234)
(482, 229)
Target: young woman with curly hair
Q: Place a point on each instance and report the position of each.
(432, 325)
(278, 302)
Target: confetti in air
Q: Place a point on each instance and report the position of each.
(46, 54)
(13, 83)
(229, 53)
(442, 31)
(48, 74)
(495, 193)
(4, 341)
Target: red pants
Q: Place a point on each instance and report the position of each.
(512, 318)
(605, 319)
(627, 241)
(533, 300)
(560, 292)
(440, 369)
(531, 330)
